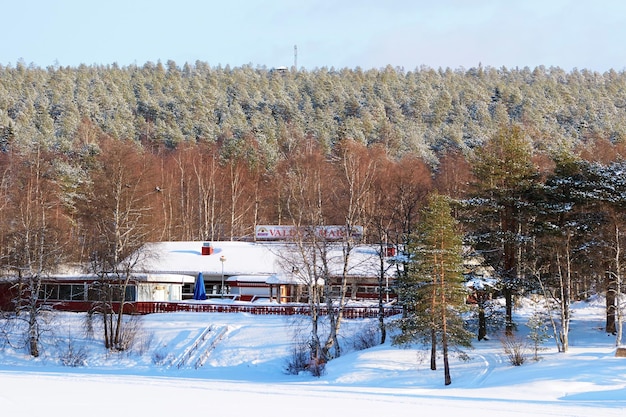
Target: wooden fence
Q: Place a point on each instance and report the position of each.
(278, 310)
(150, 307)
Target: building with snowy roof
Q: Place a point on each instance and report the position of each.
(248, 271)
(272, 271)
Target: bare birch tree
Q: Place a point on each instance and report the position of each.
(116, 214)
(32, 246)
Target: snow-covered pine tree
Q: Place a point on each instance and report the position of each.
(505, 176)
(433, 290)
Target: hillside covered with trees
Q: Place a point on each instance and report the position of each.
(96, 161)
(423, 112)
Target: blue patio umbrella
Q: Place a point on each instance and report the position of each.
(199, 292)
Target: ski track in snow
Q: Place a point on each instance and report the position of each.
(490, 362)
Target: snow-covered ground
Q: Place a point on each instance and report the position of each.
(234, 365)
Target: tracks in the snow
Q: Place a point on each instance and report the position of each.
(491, 361)
(196, 354)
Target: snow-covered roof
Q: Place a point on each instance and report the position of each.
(273, 279)
(186, 258)
(284, 279)
(480, 283)
(245, 259)
(248, 278)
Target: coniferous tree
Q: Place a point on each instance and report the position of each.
(605, 192)
(559, 239)
(505, 177)
(433, 290)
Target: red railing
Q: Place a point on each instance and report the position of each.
(279, 310)
(150, 307)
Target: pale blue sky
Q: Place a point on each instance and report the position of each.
(328, 33)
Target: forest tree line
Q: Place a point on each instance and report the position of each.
(97, 161)
(422, 112)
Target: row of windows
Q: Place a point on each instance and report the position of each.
(209, 289)
(90, 292)
(366, 290)
(83, 292)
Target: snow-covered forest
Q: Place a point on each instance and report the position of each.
(423, 111)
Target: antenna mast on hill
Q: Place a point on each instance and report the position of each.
(295, 57)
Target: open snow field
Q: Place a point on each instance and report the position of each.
(233, 365)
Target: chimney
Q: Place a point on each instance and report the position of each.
(207, 248)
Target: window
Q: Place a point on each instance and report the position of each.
(78, 292)
(65, 292)
(49, 291)
(131, 293)
(75, 292)
(104, 291)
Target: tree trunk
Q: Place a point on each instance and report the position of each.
(610, 306)
(566, 291)
(510, 227)
(105, 322)
(383, 294)
(433, 350)
(315, 348)
(33, 333)
(444, 321)
(433, 331)
(381, 313)
(482, 320)
(618, 285)
(446, 363)
(508, 301)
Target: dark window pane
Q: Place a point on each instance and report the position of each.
(65, 292)
(131, 292)
(78, 292)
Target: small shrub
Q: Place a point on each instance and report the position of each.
(366, 338)
(538, 325)
(142, 342)
(494, 318)
(129, 336)
(316, 367)
(159, 356)
(299, 359)
(515, 349)
(73, 356)
(88, 325)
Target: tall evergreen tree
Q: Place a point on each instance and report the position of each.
(433, 290)
(605, 192)
(505, 176)
(561, 235)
